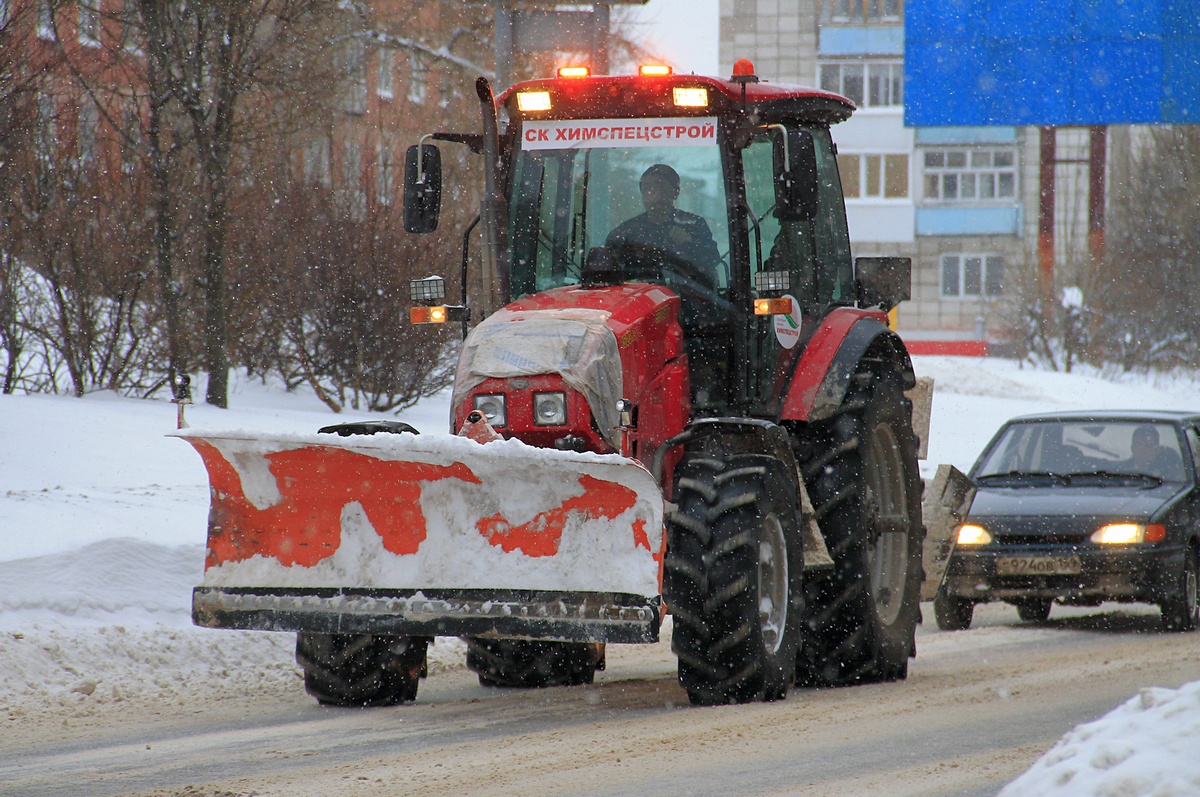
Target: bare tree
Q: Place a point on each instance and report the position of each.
(232, 65)
(1151, 274)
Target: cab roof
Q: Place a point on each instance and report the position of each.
(638, 96)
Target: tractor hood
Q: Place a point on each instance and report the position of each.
(606, 343)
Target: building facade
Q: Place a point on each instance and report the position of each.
(962, 202)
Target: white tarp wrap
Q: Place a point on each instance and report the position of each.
(576, 343)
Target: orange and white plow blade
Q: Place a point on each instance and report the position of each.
(428, 534)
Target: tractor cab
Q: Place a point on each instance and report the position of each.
(725, 192)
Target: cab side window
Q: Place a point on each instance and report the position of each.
(835, 272)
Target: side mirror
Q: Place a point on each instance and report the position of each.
(796, 176)
(422, 188)
(882, 281)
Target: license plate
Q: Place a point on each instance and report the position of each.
(1037, 565)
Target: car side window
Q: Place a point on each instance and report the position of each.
(1193, 438)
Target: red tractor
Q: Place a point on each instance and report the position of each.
(694, 403)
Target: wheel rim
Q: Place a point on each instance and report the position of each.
(772, 583)
(887, 554)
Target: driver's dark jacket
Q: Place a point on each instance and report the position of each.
(685, 236)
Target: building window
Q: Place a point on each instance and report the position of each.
(356, 77)
(383, 83)
(970, 175)
(352, 180)
(383, 175)
(862, 10)
(45, 20)
(418, 79)
(873, 176)
(89, 119)
(868, 84)
(316, 162)
(970, 276)
(89, 22)
(47, 128)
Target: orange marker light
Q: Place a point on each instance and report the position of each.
(743, 67)
(427, 315)
(574, 71)
(780, 306)
(655, 70)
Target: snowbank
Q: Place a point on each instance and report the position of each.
(102, 519)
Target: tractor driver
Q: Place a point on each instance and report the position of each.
(666, 240)
(669, 245)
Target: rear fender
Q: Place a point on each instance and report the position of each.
(845, 337)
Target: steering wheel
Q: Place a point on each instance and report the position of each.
(654, 264)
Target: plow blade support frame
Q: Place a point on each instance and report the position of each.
(570, 617)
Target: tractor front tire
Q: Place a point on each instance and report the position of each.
(860, 468)
(733, 578)
(361, 669)
(529, 664)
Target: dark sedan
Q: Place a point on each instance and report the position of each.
(1081, 508)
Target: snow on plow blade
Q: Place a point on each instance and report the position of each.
(428, 535)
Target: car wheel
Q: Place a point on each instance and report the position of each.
(952, 614)
(1179, 612)
(1034, 610)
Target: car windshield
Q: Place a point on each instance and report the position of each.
(1034, 452)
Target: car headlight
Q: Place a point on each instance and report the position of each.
(493, 408)
(550, 409)
(1129, 533)
(971, 534)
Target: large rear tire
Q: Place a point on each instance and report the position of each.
(361, 670)
(733, 579)
(860, 468)
(528, 664)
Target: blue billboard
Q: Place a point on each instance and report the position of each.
(1043, 62)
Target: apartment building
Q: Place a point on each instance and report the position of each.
(962, 202)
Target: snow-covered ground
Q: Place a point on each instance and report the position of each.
(102, 520)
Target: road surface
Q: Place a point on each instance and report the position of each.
(979, 707)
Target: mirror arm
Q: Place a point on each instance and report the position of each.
(466, 248)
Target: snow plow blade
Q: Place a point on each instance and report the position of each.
(428, 535)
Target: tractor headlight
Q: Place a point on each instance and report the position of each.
(493, 408)
(550, 409)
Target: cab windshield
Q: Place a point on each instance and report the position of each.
(610, 192)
